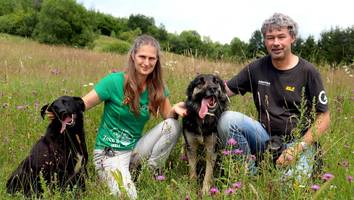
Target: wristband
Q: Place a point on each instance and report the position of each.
(304, 145)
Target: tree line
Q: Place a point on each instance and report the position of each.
(70, 23)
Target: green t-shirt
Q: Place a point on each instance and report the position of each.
(120, 128)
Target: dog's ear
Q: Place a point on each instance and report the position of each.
(43, 109)
(80, 103)
(192, 85)
(222, 84)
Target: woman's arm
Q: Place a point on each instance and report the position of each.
(91, 99)
(168, 111)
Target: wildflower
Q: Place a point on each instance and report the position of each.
(187, 197)
(36, 105)
(345, 163)
(315, 187)
(160, 177)
(213, 191)
(350, 179)
(34, 93)
(327, 176)
(237, 185)
(183, 157)
(226, 152)
(237, 151)
(231, 142)
(55, 71)
(229, 191)
(21, 107)
(5, 105)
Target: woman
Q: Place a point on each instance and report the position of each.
(130, 98)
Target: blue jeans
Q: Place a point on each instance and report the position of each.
(251, 137)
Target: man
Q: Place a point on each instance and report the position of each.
(289, 97)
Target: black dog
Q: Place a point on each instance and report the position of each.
(60, 156)
(206, 101)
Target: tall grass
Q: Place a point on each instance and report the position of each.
(33, 74)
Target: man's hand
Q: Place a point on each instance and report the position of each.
(289, 156)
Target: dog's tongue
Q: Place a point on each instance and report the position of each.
(66, 121)
(204, 107)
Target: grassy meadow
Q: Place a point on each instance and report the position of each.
(33, 74)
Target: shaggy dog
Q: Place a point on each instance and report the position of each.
(60, 156)
(206, 100)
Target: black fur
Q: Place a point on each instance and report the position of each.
(55, 154)
(200, 128)
(209, 85)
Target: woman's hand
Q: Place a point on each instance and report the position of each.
(50, 115)
(180, 109)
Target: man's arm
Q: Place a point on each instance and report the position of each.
(320, 126)
(312, 135)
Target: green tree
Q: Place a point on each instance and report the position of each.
(297, 45)
(336, 46)
(140, 21)
(63, 22)
(238, 50)
(309, 49)
(256, 46)
(17, 17)
(191, 42)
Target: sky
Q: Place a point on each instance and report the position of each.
(223, 20)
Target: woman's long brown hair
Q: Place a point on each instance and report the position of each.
(154, 82)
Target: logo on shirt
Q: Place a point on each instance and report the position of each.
(322, 97)
(265, 83)
(290, 88)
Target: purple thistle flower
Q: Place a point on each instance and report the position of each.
(226, 152)
(55, 71)
(21, 107)
(213, 191)
(237, 185)
(345, 163)
(350, 179)
(229, 191)
(231, 142)
(237, 151)
(160, 178)
(315, 187)
(183, 157)
(327, 176)
(36, 105)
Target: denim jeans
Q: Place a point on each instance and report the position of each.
(251, 137)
